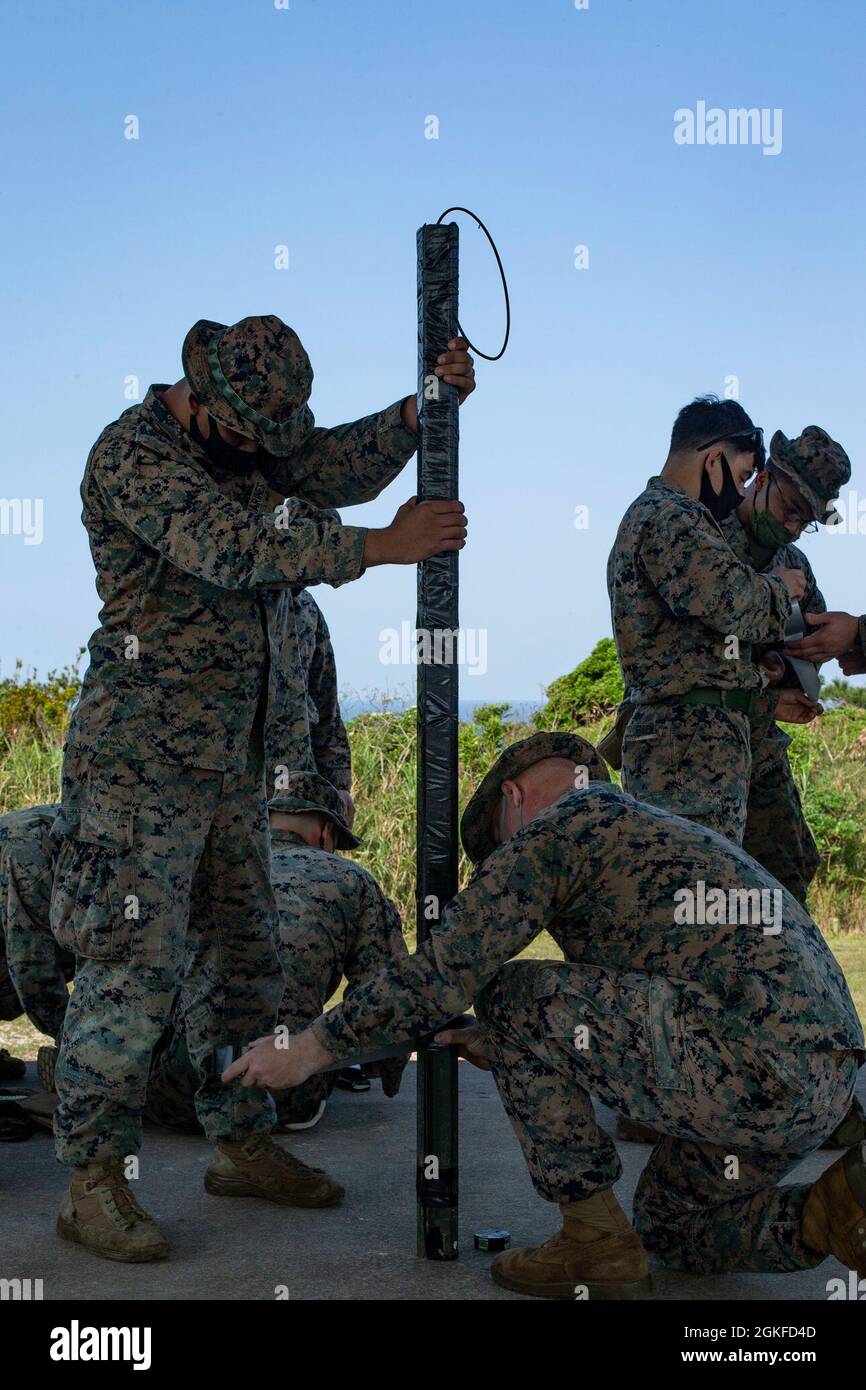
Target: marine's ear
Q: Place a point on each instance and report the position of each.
(329, 837)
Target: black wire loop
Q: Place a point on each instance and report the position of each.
(486, 355)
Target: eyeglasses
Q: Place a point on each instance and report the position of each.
(754, 442)
(793, 515)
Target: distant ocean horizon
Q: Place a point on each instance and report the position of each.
(519, 711)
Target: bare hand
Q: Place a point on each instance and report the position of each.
(419, 530)
(469, 1043)
(454, 366)
(279, 1061)
(793, 707)
(836, 633)
(457, 368)
(853, 663)
(794, 581)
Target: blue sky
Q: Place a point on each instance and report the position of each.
(306, 127)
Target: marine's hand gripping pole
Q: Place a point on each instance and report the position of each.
(436, 881)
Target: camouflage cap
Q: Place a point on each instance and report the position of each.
(817, 466)
(476, 829)
(254, 377)
(309, 791)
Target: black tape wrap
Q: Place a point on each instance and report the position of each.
(436, 881)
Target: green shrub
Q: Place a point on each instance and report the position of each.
(843, 690)
(592, 689)
(38, 709)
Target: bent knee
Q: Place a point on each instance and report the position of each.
(514, 984)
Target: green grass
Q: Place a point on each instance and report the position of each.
(850, 951)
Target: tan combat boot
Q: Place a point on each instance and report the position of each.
(99, 1211)
(597, 1255)
(834, 1217)
(257, 1167)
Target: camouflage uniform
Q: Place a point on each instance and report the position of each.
(324, 743)
(334, 920)
(331, 752)
(678, 596)
(733, 1040)
(33, 968)
(777, 834)
(164, 762)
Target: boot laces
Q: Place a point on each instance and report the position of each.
(266, 1148)
(120, 1204)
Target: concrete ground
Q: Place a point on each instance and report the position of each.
(243, 1249)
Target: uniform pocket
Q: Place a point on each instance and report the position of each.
(94, 906)
(670, 1059)
(655, 746)
(585, 989)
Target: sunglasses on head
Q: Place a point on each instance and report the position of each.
(754, 441)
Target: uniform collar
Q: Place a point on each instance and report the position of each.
(657, 481)
(252, 491)
(287, 837)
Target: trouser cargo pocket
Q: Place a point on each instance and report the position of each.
(94, 903)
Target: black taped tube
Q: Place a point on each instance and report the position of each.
(437, 619)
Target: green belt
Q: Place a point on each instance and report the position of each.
(743, 700)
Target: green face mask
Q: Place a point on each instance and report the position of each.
(769, 531)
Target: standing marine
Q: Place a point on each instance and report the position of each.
(163, 773)
(792, 494)
(686, 612)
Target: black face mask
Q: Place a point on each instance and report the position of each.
(227, 456)
(721, 504)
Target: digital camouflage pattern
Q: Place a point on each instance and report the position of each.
(190, 565)
(599, 871)
(559, 1034)
(325, 741)
(331, 752)
(33, 968)
(677, 592)
(121, 905)
(164, 775)
(254, 376)
(776, 832)
(691, 760)
(728, 1033)
(334, 921)
(678, 597)
(816, 464)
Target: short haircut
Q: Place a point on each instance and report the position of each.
(707, 418)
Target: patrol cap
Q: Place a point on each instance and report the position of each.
(476, 829)
(309, 791)
(253, 377)
(816, 465)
